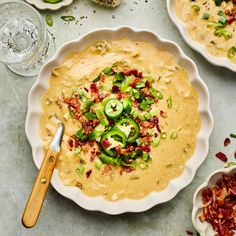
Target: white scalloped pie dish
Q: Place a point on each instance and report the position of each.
(218, 61)
(205, 229)
(125, 205)
(49, 6)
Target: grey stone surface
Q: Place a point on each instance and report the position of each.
(61, 216)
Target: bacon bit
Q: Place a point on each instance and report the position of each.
(219, 204)
(145, 148)
(120, 95)
(189, 232)
(86, 89)
(105, 143)
(88, 173)
(125, 169)
(227, 12)
(102, 78)
(163, 114)
(134, 82)
(148, 84)
(140, 74)
(72, 102)
(70, 143)
(115, 89)
(155, 120)
(107, 169)
(93, 88)
(230, 19)
(227, 142)
(221, 156)
(127, 71)
(135, 72)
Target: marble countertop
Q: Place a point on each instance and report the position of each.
(61, 216)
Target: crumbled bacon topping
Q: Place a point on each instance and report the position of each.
(105, 143)
(88, 173)
(227, 142)
(94, 88)
(219, 206)
(222, 156)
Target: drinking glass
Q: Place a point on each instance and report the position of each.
(25, 44)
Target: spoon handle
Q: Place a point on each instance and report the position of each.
(39, 190)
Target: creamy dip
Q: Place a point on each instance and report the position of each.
(210, 25)
(177, 112)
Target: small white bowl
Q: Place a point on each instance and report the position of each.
(218, 61)
(202, 139)
(40, 4)
(204, 228)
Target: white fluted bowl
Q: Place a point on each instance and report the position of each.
(49, 6)
(218, 61)
(191, 166)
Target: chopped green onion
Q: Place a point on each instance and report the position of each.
(163, 135)
(101, 114)
(231, 52)
(147, 116)
(223, 20)
(98, 164)
(135, 93)
(140, 85)
(119, 77)
(97, 79)
(142, 165)
(169, 102)
(173, 135)
(80, 169)
(205, 16)
(219, 32)
(77, 151)
(68, 18)
(229, 164)
(143, 105)
(97, 132)
(195, 8)
(90, 115)
(108, 71)
(149, 78)
(138, 141)
(81, 136)
(156, 141)
(145, 156)
(233, 135)
(49, 20)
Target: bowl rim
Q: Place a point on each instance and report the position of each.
(200, 48)
(201, 228)
(48, 6)
(124, 205)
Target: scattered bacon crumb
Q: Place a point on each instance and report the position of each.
(221, 156)
(107, 169)
(105, 143)
(88, 173)
(163, 114)
(115, 89)
(189, 232)
(93, 88)
(227, 142)
(219, 206)
(145, 148)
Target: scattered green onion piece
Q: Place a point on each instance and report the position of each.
(163, 135)
(220, 13)
(231, 52)
(233, 135)
(68, 18)
(98, 164)
(219, 32)
(229, 164)
(173, 135)
(108, 71)
(49, 20)
(90, 116)
(101, 114)
(119, 77)
(135, 93)
(97, 79)
(195, 8)
(149, 78)
(97, 132)
(142, 165)
(138, 142)
(143, 105)
(205, 16)
(223, 20)
(77, 151)
(125, 84)
(81, 136)
(147, 116)
(140, 85)
(80, 169)
(145, 156)
(156, 141)
(169, 102)
(216, 25)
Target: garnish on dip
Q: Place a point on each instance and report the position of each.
(120, 118)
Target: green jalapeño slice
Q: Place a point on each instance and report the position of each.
(113, 108)
(129, 127)
(112, 139)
